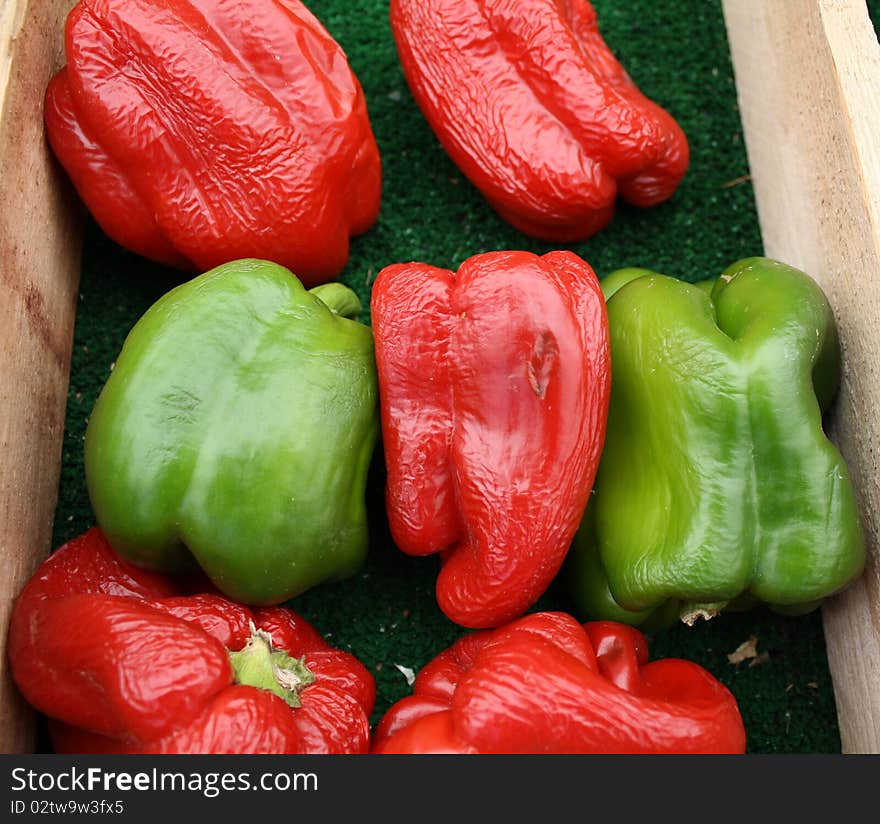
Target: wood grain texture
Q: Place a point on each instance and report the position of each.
(808, 80)
(40, 238)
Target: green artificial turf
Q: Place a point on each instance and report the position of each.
(386, 615)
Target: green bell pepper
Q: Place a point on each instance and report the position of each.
(717, 488)
(236, 431)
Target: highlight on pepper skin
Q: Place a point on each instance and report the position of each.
(531, 105)
(493, 387)
(547, 684)
(199, 132)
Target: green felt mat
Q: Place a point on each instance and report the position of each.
(386, 615)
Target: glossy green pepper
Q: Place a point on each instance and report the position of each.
(236, 430)
(717, 488)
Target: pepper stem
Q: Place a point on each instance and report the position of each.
(262, 666)
(691, 613)
(339, 299)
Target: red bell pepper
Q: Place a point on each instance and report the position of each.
(199, 132)
(546, 684)
(529, 102)
(121, 661)
(494, 386)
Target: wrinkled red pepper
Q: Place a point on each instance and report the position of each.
(199, 132)
(121, 661)
(546, 684)
(532, 106)
(494, 386)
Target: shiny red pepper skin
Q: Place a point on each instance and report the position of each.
(531, 105)
(494, 384)
(203, 131)
(122, 662)
(546, 684)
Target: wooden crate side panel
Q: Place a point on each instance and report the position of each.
(40, 236)
(808, 80)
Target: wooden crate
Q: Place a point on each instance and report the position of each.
(40, 237)
(808, 77)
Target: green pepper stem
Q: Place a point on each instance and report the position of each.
(691, 613)
(262, 666)
(339, 299)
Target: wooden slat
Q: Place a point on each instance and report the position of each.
(808, 79)
(39, 274)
